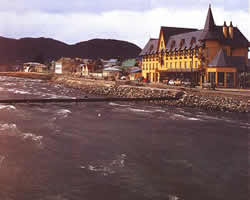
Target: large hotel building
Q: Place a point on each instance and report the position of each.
(215, 54)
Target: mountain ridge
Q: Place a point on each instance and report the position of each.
(16, 51)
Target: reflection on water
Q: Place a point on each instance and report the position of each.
(117, 151)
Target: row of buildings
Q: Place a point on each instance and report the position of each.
(215, 54)
(99, 69)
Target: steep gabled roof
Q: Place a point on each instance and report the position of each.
(169, 31)
(222, 60)
(238, 41)
(150, 48)
(191, 40)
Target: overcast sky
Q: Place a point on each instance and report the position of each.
(72, 21)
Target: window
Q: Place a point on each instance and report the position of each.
(150, 66)
(196, 64)
(146, 66)
(175, 65)
(196, 52)
(153, 66)
(162, 44)
(180, 65)
(185, 53)
(185, 64)
(167, 64)
(170, 65)
(191, 64)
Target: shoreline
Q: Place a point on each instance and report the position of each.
(201, 99)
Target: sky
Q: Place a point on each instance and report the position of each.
(136, 21)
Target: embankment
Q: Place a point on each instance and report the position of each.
(188, 98)
(205, 100)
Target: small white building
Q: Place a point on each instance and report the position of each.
(34, 67)
(58, 68)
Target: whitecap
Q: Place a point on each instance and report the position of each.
(8, 129)
(2, 158)
(140, 110)
(194, 119)
(8, 107)
(63, 113)
(107, 168)
(183, 117)
(116, 104)
(32, 137)
(162, 111)
(173, 197)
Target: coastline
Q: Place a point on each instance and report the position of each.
(201, 99)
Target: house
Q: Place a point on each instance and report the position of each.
(129, 63)
(69, 66)
(110, 62)
(215, 54)
(135, 73)
(35, 67)
(112, 72)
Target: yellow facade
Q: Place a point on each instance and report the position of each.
(166, 62)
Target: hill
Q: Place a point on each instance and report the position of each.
(13, 51)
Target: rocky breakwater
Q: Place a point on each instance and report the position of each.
(214, 102)
(111, 89)
(204, 100)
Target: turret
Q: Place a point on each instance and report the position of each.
(231, 30)
(225, 31)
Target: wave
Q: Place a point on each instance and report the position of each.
(33, 137)
(116, 104)
(18, 91)
(2, 158)
(13, 131)
(140, 110)
(183, 117)
(63, 113)
(8, 107)
(8, 129)
(108, 168)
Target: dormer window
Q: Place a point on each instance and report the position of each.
(172, 44)
(151, 48)
(182, 43)
(185, 53)
(193, 41)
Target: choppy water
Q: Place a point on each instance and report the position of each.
(117, 151)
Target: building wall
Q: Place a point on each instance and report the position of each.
(161, 42)
(152, 65)
(212, 48)
(58, 68)
(241, 52)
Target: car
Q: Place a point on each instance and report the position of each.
(123, 78)
(186, 82)
(171, 82)
(139, 79)
(165, 81)
(177, 82)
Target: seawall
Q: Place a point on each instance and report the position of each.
(188, 98)
(205, 100)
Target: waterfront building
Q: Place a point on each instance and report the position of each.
(215, 54)
(35, 67)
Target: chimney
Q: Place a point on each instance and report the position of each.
(231, 30)
(225, 29)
